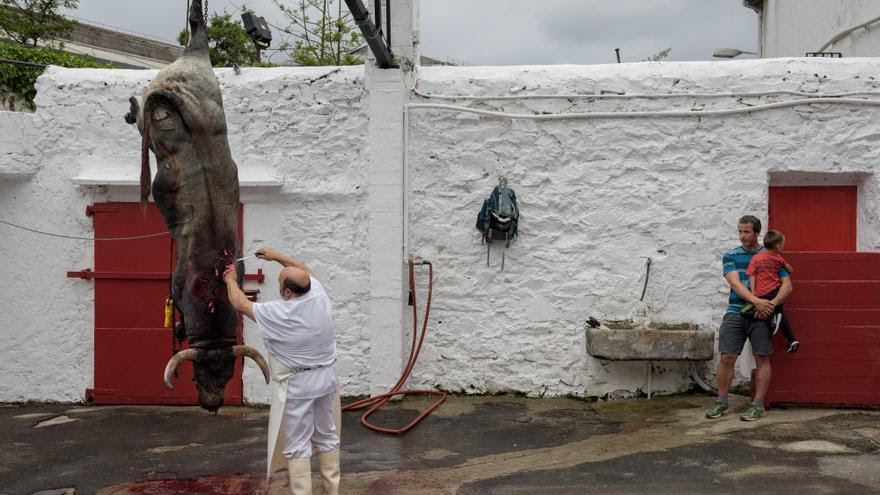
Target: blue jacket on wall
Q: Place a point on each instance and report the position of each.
(502, 205)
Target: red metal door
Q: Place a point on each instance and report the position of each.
(835, 313)
(131, 283)
(835, 307)
(815, 218)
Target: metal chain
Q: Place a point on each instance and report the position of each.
(206, 14)
(186, 22)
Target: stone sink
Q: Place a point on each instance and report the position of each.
(629, 341)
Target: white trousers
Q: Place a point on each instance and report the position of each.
(307, 423)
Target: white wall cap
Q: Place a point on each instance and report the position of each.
(114, 174)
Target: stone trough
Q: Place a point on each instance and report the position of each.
(631, 341)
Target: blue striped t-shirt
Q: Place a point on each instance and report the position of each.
(738, 259)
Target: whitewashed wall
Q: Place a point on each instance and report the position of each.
(301, 127)
(597, 197)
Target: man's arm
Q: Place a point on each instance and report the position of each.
(270, 254)
(239, 301)
(785, 290)
(763, 307)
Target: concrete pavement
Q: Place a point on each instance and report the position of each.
(470, 445)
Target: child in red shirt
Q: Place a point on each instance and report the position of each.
(763, 272)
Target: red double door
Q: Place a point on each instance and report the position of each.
(131, 283)
(835, 307)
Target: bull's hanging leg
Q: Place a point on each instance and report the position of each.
(134, 110)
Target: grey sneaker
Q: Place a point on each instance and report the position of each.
(716, 411)
(752, 414)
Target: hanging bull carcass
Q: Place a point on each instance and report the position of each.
(181, 119)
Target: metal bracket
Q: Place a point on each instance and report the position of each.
(84, 274)
(92, 209)
(258, 277)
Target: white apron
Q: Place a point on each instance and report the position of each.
(280, 375)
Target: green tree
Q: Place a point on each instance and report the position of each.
(228, 42)
(29, 21)
(662, 54)
(20, 79)
(322, 36)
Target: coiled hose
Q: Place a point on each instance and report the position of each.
(375, 402)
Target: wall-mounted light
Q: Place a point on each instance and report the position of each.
(730, 53)
(258, 29)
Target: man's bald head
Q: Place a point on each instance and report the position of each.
(295, 280)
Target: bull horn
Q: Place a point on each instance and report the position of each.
(246, 350)
(174, 362)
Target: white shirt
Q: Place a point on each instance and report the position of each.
(299, 333)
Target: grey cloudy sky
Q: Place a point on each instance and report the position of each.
(508, 32)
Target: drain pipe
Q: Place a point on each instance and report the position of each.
(406, 180)
(372, 35)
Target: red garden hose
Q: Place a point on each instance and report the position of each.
(375, 402)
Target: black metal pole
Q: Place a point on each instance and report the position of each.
(372, 35)
(617, 51)
(388, 22)
(22, 64)
(377, 10)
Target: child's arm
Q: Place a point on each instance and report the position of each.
(751, 286)
(785, 265)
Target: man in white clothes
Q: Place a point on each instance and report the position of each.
(297, 331)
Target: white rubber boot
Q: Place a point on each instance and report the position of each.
(300, 475)
(328, 463)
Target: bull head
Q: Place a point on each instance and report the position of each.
(181, 120)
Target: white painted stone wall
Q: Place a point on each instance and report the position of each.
(597, 197)
(600, 196)
(304, 128)
(791, 28)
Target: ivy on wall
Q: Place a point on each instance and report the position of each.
(20, 80)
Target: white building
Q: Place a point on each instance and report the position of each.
(793, 28)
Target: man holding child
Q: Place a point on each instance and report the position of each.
(736, 328)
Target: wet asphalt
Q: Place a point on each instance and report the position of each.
(470, 445)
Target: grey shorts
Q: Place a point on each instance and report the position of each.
(735, 330)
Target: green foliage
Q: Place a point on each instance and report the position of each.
(228, 42)
(29, 21)
(322, 38)
(20, 80)
(659, 55)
